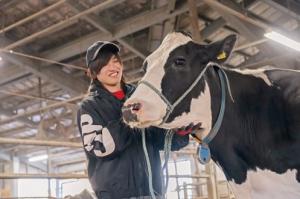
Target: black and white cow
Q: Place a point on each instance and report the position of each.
(258, 142)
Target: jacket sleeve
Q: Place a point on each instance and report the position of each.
(158, 137)
(103, 136)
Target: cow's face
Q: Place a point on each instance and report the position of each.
(171, 69)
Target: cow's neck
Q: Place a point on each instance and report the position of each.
(252, 135)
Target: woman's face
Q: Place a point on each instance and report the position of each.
(111, 74)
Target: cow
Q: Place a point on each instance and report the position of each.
(252, 117)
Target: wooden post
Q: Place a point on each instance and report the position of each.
(194, 20)
(211, 182)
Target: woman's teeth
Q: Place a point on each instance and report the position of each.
(114, 74)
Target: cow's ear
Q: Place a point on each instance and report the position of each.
(221, 50)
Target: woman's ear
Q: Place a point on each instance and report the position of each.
(221, 50)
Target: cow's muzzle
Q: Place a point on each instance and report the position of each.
(130, 112)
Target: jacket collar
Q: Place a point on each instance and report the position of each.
(96, 89)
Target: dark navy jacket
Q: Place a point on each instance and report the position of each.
(116, 161)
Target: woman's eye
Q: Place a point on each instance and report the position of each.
(179, 61)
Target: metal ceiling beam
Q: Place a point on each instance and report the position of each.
(249, 31)
(24, 20)
(122, 29)
(23, 120)
(261, 61)
(62, 24)
(282, 9)
(31, 91)
(235, 11)
(96, 22)
(53, 74)
(58, 104)
(213, 27)
(130, 46)
(5, 133)
(274, 59)
(10, 72)
(280, 60)
(253, 31)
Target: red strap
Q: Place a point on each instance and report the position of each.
(119, 94)
(184, 132)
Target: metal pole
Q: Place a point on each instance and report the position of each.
(39, 142)
(176, 173)
(197, 172)
(48, 172)
(42, 176)
(185, 193)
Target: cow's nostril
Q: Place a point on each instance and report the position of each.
(129, 116)
(136, 106)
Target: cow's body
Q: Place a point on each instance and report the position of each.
(258, 143)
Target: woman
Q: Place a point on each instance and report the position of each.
(116, 161)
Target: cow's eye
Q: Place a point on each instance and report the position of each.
(179, 61)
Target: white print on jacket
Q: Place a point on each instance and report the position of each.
(89, 135)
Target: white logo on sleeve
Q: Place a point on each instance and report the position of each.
(90, 136)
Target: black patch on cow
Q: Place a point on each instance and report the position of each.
(145, 67)
(186, 33)
(182, 67)
(261, 129)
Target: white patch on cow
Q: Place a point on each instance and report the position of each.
(153, 108)
(259, 73)
(159, 57)
(265, 184)
(200, 112)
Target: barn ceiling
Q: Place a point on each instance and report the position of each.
(43, 44)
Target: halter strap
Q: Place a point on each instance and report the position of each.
(204, 152)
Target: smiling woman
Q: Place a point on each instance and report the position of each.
(106, 66)
(114, 150)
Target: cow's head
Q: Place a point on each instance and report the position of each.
(171, 69)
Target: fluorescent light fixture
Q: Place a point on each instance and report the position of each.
(275, 36)
(0, 58)
(38, 158)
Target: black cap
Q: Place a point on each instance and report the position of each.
(94, 49)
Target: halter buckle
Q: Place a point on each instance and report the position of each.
(204, 153)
